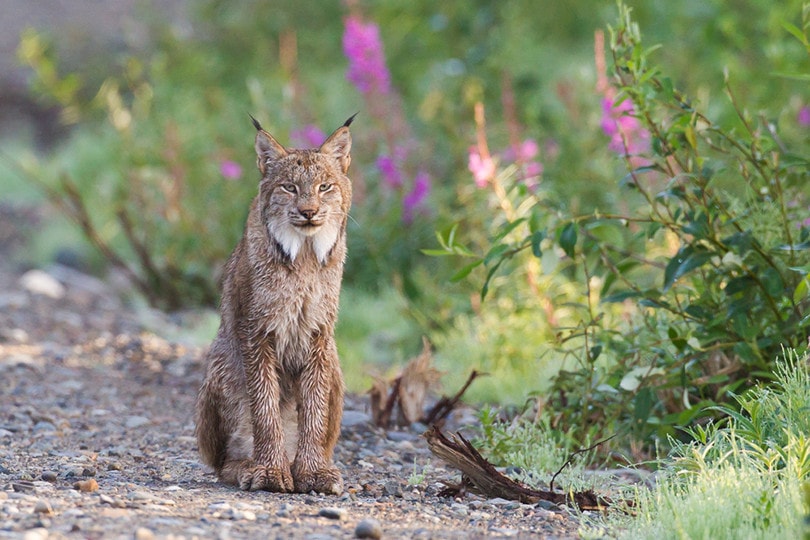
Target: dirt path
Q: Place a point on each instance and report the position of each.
(88, 401)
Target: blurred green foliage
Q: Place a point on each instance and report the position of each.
(145, 175)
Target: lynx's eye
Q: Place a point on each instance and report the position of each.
(324, 187)
(290, 188)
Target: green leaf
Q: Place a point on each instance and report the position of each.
(490, 274)
(506, 228)
(686, 260)
(568, 238)
(436, 252)
(802, 289)
(465, 270)
(620, 296)
(496, 252)
(536, 239)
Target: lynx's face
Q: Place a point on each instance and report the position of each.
(304, 194)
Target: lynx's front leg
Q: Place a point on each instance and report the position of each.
(269, 469)
(319, 414)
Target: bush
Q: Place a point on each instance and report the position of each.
(691, 287)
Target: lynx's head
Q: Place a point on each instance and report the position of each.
(305, 195)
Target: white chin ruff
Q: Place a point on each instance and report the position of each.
(321, 239)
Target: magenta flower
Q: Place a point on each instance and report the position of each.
(803, 118)
(413, 200)
(624, 129)
(309, 136)
(390, 171)
(522, 152)
(482, 168)
(230, 170)
(363, 48)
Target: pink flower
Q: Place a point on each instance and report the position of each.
(309, 136)
(624, 129)
(803, 118)
(533, 169)
(525, 151)
(390, 170)
(363, 48)
(413, 200)
(230, 170)
(482, 168)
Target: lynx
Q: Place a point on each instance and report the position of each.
(269, 410)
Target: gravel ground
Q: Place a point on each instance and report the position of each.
(96, 441)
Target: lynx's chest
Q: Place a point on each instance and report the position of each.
(298, 303)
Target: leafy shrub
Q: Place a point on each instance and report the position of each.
(696, 282)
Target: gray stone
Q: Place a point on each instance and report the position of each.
(368, 528)
(49, 476)
(332, 513)
(43, 507)
(136, 421)
(354, 418)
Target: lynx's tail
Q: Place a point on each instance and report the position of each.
(212, 439)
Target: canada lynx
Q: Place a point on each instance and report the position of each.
(268, 413)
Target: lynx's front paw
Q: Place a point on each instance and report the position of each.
(327, 481)
(263, 477)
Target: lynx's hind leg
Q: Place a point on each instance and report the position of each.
(212, 437)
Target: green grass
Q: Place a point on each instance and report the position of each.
(747, 479)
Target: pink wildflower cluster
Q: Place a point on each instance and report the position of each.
(230, 170)
(363, 48)
(368, 72)
(627, 135)
(309, 136)
(482, 165)
(803, 117)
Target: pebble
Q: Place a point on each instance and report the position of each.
(136, 421)
(368, 528)
(459, 509)
(49, 476)
(142, 533)
(86, 486)
(39, 282)
(332, 513)
(43, 507)
(354, 418)
(40, 533)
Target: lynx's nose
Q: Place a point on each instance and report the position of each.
(308, 213)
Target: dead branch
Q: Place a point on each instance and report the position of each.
(482, 475)
(442, 409)
(571, 457)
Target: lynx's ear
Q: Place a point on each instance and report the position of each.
(339, 145)
(267, 148)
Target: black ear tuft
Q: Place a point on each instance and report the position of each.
(348, 122)
(257, 125)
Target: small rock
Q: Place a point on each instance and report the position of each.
(392, 489)
(39, 282)
(44, 426)
(86, 486)
(459, 509)
(398, 436)
(43, 507)
(354, 418)
(136, 421)
(332, 513)
(368, 528)
(49, 476)
(23, 486)
(243, 515)
(142, 533)
(40, 533)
